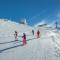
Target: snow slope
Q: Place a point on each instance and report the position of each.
(47, 47)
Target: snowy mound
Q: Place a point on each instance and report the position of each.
(47, 47)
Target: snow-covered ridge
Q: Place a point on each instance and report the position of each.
(8, 24)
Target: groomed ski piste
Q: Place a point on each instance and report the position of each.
(47, 47)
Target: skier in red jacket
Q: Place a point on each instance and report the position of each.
(16, 36)
(24, 38)
(38, 34)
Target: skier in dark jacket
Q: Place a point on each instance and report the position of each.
(33, 32)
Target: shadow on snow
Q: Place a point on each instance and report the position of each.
(14, 46)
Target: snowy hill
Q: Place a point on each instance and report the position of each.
(47, 47)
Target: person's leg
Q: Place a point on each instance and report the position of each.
(24, 42)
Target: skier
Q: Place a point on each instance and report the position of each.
(16, 36)
(33, 32)
(38, 34)
(24, 38)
